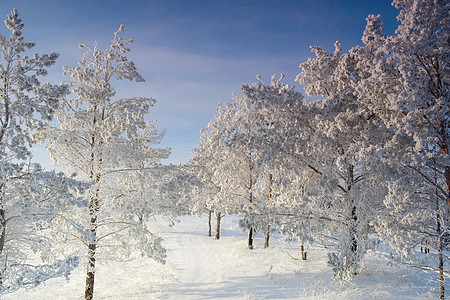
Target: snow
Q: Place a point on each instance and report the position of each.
(199, 267)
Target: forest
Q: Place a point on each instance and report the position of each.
(361, 159)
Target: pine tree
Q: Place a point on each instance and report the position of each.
(110, 145)
(407, 84)
(341, 148)
(30, 198)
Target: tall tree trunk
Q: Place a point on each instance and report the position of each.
(209, 222)
(443, 131)
(90, 276)
(440, 251)
(266, 237)
(354, 219)
(447, 182)
(303, 252)
(445, 149)
(441, 262)
(5, 124)
(354, 242)
(250, 238)
(440, 238)
(2, 235)
(267, 234)
(250, 199)
(92, 247)
(94, 208)
(218, 217)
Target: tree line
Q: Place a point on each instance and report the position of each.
(367, 161)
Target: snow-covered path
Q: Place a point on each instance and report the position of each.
(205, 268)
(198, 270)
(199, 267)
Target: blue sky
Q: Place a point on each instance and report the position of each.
(195, 53)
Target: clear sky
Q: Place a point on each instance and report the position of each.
(195, 53)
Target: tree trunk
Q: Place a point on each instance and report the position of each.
(303, 252)
(2, 238)
(266, 237)
(353, 224)
(354, 242)
(250, 200)
(447, 182)
(218, 217)
(441, 269)
(250, 238)
(90, 276)
(441, 257)
(3, 226)
(209, 222)
(94, 207)
(5, 121)
(439, 230)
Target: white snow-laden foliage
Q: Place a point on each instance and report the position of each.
(240, 159)
(365, 166)
(179, 188)
(33, 207)
(345, 148)
(212, 159)
(369, 156)
(411, 72)
(109, 143)
(32, 276)
(400, 85)
(30, 198)
(305, 169)
(267, 110)
(200, 197)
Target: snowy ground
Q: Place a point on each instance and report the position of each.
(199, 267)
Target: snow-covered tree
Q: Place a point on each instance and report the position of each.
(267, 110)
(398, 87)
(280, 116)
(342, 148)
(30, 199)
(175, 188)
(108, 142)
(240, 155)
(199, 198)
(211, 157)
(406, 83)
(33, 230)
(230, 165)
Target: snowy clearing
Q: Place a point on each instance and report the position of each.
(199, 267)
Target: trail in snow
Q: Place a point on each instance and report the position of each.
(199, 267)
(205, 268)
